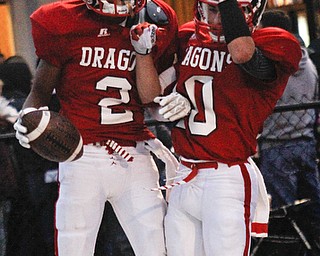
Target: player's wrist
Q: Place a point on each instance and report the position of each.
(143, 53)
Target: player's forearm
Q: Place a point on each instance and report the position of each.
(148, 83)
(36, 100)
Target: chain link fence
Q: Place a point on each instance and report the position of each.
(290, 142)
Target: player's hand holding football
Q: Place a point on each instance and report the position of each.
(143, 37)
(174, 106)
(21, 130)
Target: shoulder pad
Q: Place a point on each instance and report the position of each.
(155, 14)
(279, 45)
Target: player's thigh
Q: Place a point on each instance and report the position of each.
(183, 231)
(225, 231)
(228, 202)
(79, 209)
(136, 198)
(141, 211)
(80, 203)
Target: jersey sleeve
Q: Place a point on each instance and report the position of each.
(48, 46)
(280, 46)
(48, 29)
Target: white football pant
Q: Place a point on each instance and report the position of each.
(211, 214)
(87, 183)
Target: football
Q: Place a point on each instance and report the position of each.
(53, 136)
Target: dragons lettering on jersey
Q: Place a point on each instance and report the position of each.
(99, 57)
(206, 59)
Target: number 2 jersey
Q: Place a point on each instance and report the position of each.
(228, 105)
(97, 90)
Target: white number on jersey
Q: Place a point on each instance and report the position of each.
(209, 124)
(107, 116)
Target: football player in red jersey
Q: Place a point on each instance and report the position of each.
(232, 76)
(95, 54)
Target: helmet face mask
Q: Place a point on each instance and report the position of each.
(252, 10)
(206, 31)
(115, 8)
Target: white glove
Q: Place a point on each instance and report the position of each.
(174, 106)
(143, 37)
(22, 130)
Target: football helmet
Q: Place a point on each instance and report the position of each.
(115, 8)
(252, 10)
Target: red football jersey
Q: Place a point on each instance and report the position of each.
(228, 105)
(97, 91)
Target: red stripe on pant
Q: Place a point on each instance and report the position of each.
(247, 201)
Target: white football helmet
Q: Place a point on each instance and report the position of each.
(115, 8)
(252, 10)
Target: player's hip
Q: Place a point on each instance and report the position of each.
(211, 169)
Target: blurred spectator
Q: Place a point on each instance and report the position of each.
(287, 145)
(314, 53)
(16, 74)
(8, 185)
(27, 198)
(8, 188)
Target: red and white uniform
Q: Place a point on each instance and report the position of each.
(97, 92)
(228, 110)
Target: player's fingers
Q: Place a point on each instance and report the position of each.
(25, 145)
(163, 99)
(177, 115)
(134, 35)
(145, 28)
(167, 108)
(157, 99)
(22, 138)
(19, 127)
(138, 29)
(135, 32)
(144, 25)
(166, 100)
(173, 116)
(173, 112)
